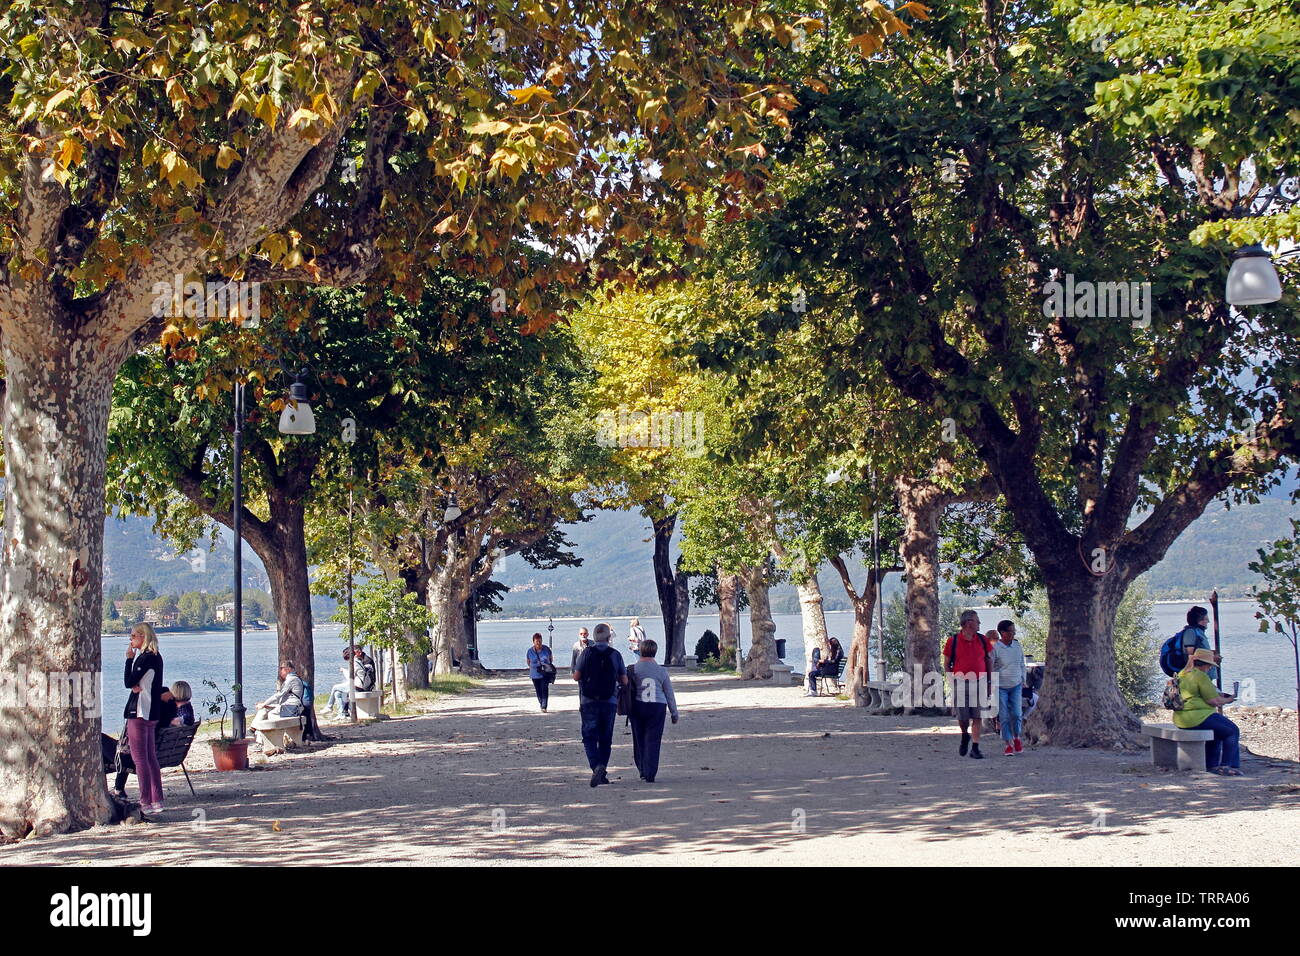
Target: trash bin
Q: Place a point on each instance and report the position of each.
(780, 648)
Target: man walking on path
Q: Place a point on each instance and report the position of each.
(1009, 662)
(968, 657)
(652, 698)
(581, 644)
(599, 673)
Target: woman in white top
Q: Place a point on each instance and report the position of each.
(652, 700)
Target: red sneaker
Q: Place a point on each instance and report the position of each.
(1008, 752)
(1019, 746)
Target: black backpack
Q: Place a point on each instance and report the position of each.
(598, 674)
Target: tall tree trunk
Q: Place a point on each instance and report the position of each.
(813, 618)
(447, 607)
(682, 612)
(762, 629)
(728, 620)
(864, 605)
(56, 405)
(286, 565)
(1081, 704)
(922, 505)
(415, 659)
(666, 581)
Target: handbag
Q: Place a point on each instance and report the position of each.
(623, 707)
(546, 668)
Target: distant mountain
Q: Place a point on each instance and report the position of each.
(133, 553)
(615, 577)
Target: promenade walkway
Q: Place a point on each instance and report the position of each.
(752, 774)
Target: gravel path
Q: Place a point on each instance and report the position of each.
(752, 774)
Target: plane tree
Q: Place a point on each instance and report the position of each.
(320, 143)
(1034, 256)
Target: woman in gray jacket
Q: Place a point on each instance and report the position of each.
(652, 700)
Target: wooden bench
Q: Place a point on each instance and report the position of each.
(1176, 748)
(172, 745)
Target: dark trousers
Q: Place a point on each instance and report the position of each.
(647, 736)
(821, 670)
(1224, 750)
(597, 730)
(543, 688)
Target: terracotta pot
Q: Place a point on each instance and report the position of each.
(230, 754)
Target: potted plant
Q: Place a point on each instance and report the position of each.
(228, 753)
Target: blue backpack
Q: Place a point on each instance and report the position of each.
(1173, 658)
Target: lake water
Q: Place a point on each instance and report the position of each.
(1248, 655)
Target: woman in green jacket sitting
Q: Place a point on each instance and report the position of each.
(1200, 702)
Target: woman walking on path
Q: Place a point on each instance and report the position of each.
(652, 699)
(541, 668)
(144, 679)
(1201, 700)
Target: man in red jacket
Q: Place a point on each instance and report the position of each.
(968, 657)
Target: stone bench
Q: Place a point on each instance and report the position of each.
(1176, 748)
(880, 697)
(781, 675)
(367, 704)
(275, 734)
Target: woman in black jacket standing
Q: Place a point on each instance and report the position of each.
(144, 679)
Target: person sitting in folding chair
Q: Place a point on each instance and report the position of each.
(824, 668)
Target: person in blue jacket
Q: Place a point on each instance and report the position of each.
(541, 668)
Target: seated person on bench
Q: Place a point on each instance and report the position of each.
(173, 709)
(824, 668)
(285, 702)
(1201, 700)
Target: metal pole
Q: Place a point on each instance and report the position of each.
(1218, 669)
(739, 668)
(352, 642)
(237, 711)
(875, 560)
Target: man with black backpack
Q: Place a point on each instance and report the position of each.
(1175, 652)
(968, 658)
(599, 673)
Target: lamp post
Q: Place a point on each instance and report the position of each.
(300, 422)
(349, 438)
(237, 711)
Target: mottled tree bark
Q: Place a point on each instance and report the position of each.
(56, 402)
(813, 618)
(1084, 707)
(762, 629)
(728, 620)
